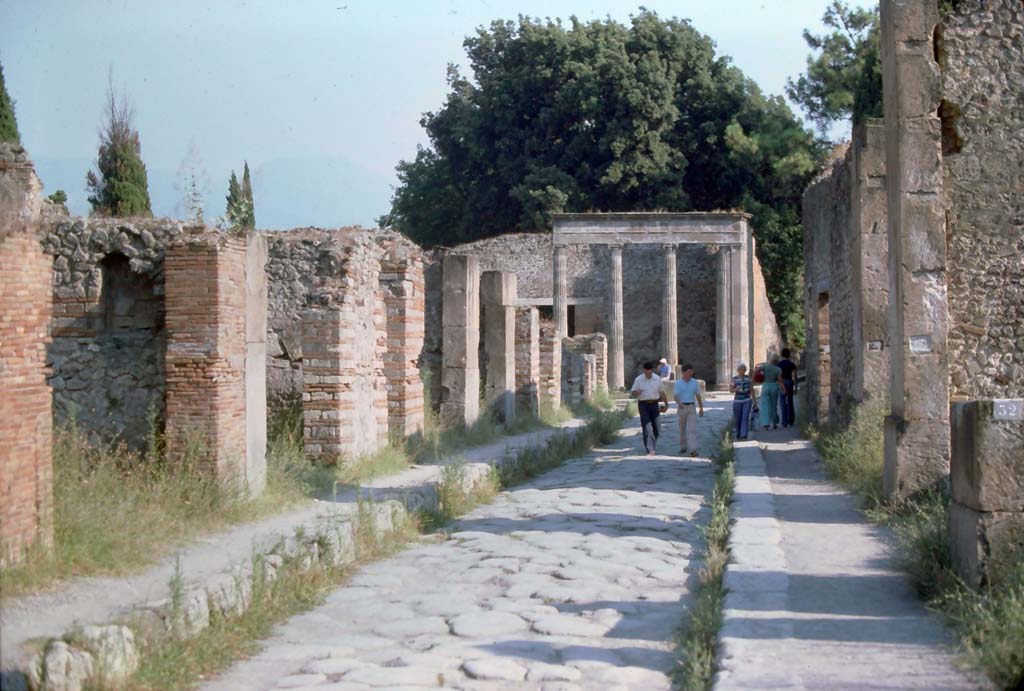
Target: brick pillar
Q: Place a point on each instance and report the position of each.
(917, 431)
(207, 353)
(402, 281)
(26, 289)
(528, 360)
(550, 365)
(986, 516)
(498, 295)
(869, 255)
(460, 319)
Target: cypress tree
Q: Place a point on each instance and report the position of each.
(8, 123)
(250, 215)
(119, 185)
(234, 198)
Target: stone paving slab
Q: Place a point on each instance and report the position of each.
(98, 600)
(814, 599)
(576, 580)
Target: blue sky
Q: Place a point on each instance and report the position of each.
(322, 97)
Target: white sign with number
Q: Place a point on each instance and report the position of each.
(1008, 409)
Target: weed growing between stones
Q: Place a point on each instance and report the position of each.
(697, 639)
(988, 621)
(297, 585)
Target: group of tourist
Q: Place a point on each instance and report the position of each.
(775, 406)
(777, 378)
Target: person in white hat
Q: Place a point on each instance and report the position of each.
(664, 369)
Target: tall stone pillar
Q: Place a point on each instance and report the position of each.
(739, 306)
(26, 309)
(550, 365)
(722, 318)
(917, 431)
(560, 291)
(460, 321)
(210, 356)
(669, 306)
(256, 255)
(498, 294)
(616, 357)
(528, 359)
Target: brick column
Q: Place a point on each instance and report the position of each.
(460, 372)
(26, 290)
(917, 431)
(207, 349)
(402, 280)
(528, 359)
(550, 365)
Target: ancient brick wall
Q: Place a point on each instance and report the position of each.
(26, 479)
(401, 278)
(767, 338)
(980, 48)
(109, 337)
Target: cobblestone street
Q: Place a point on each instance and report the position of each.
(576, 580)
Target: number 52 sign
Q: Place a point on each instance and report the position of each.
(1008, 409)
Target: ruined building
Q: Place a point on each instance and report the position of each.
(914, 268)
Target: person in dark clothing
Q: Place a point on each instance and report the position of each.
(788, 368)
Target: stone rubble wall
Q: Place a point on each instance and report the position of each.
(528, 360)
(550, 365)
(26, 475)
(595, 344)
(109, 337)
(767, 337)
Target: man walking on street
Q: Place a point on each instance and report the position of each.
(788, 368)
(651, 400)
(687, 395)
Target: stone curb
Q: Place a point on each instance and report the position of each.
(755, 580)
(108, 652)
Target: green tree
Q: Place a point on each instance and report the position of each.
(8, 123)
(601, 116)
(60, 198)
(844, 72)
(118, 186)
(240, 211)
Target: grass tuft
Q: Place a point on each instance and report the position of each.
(698, 638)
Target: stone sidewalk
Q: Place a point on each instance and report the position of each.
(814, 599)
(576, 580)
(99, 600)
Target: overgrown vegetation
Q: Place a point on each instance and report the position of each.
(698, 638)
(989, 621)
(181, 664)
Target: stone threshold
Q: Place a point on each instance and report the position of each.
(217, 570)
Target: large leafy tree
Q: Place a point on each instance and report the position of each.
(8, 124)
(843, 80)
(119, 186)
(600, 116)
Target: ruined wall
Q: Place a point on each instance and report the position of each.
(26, 477)
(589, 270)
(109, 339)
(767, 338)
(980, 47)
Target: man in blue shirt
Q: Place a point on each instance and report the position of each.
(687, 396)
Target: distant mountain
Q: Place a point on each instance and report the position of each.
(289, 192)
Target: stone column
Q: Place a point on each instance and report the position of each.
(26, 308)
(560, 291)
(528, 359)
(550, 365)
(917, 431)
(722, 319)
(402, 280)
(498, 294)
(739, 306)
(669, 306)
(460, 320)
(616, 357)
(207, 349)
(256, 363)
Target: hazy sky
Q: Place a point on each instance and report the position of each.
(333, 87)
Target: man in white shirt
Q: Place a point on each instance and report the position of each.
(687, 395)
(651, 401)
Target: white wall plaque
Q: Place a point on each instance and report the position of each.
(1008, 409)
